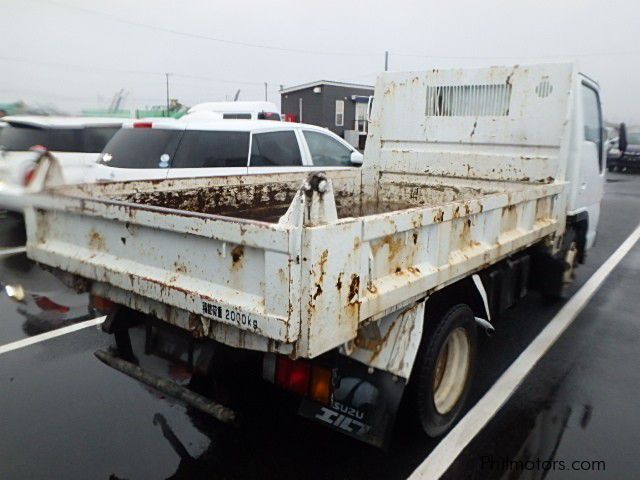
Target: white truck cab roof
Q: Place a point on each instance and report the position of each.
(239, 110)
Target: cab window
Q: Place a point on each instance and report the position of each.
(326, 151)
(275, 149)
(592, 119)
(236, 116)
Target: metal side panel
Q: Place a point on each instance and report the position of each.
(497, 123)
(330, 278)
(228, 282)
(408, 257)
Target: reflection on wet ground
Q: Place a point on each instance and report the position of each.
(42, 300)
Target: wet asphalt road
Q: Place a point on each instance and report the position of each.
(63, 414)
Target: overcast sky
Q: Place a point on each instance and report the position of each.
(78, 53)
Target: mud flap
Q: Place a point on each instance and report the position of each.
(364, 405)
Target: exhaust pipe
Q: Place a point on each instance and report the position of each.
(486, 326)
(217, 411)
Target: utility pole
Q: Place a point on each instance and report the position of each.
(265, 91)
(167, 78)
(386, 60)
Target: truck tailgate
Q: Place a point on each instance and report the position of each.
(233, 271)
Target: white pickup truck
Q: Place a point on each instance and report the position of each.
(359, 290)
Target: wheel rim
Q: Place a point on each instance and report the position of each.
(570, 263)
(452, 370)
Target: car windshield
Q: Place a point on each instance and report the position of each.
(141, 148)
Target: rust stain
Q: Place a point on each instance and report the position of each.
(383, 340)
(180, 267)
(339, 282)
(439, 216)
(354, 288)
(282, 275)
(322, 263)
(237, 253)
(96, 241)
(394, 244)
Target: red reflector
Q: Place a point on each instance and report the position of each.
(293, 375)
(49, 305)
(142, 125)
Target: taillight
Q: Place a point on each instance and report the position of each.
(142, 125)
(320, 386)
(303, 378)
(293, 375)
(29, 175)
(47, 304)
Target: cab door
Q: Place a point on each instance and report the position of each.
(592, 158)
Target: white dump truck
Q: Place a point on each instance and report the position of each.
(360, 290)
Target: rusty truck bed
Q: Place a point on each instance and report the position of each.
(233, 258)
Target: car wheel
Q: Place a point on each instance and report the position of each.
(444, 370)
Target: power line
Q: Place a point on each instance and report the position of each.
(197, 35)
(320, 52)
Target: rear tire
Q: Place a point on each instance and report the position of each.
(444, 369)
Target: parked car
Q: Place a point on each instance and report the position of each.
(240, 110)
(197, 146)
(624, 151)
(75, 141)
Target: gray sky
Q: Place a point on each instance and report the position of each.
(76, 54)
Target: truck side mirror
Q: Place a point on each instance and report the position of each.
(622, 138)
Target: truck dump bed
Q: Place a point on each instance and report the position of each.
(291, 264)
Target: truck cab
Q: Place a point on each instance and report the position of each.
(587, 162)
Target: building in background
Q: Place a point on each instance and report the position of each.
(340, 107)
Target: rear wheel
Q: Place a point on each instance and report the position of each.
(444, 370)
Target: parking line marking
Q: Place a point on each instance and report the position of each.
(25, 342)
(12, 250)
(451, 446)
